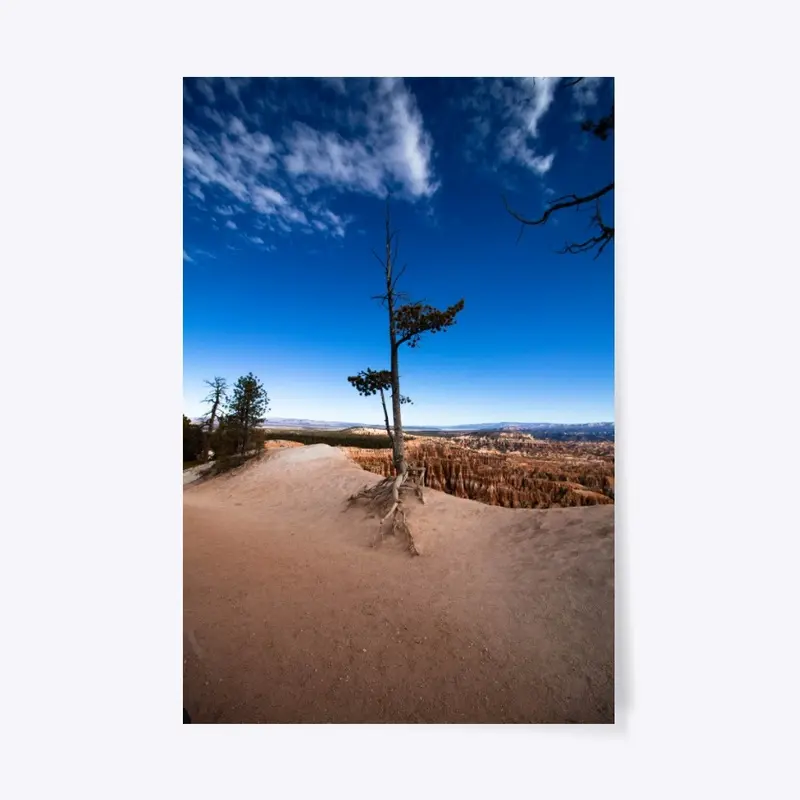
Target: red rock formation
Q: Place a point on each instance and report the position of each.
(545, 474)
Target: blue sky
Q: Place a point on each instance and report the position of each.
(285, 185)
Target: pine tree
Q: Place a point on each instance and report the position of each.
(407, 322)
(192, 440)
(372, 382)
(246, 409)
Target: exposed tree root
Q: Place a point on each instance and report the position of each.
(385, 494)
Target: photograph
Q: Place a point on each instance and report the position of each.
(398, 400)
(458, 513)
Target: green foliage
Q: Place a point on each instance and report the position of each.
(407, 324)
(257, 439)
(192, 440)
(333, 438)
(414, 319)
(370, 382)
(246, 410)
(225, 439)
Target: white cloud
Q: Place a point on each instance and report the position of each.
(379, 143)
(234, 88)
(540, 91)
(255, 239)
(336, 224)
(186, 256)
(231, 224)
(519, 140)
(337, 84)
(514, 146)
(207, 167)
(395, 151)
(213, 115)
(517, 106)
(204, 87)
(268, 201)
(585, 92)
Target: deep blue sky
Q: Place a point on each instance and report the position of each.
(284, 196)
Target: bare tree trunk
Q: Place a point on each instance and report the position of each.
(245, 426)
(207, 433)
(386, 419)
(216, 398)
(399, 445)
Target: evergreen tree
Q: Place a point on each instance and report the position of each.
(372, 382)
(407, 323)
(192, 440)
(246, 409)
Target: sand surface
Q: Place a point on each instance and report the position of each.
(290, 615)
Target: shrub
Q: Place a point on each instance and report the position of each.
(192, 440)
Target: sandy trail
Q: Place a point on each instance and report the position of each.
(291, 616)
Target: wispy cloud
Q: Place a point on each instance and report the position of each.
(520, 142)
(585, 93)
(337, 84)
(290, 176)
(255, 239)
(187, 257)
(205, 89)
(394, 153)
(517, 106)
(231, 224)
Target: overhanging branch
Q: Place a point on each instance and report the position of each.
(568, 201)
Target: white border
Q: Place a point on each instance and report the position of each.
(707, 291)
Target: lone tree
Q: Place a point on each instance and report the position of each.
(371, 382)
(602, 128)
(246, 410)
(407, 322)
(216, 397)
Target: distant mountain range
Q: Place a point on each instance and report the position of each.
(545, 430)
(591, 431)
(582, 427)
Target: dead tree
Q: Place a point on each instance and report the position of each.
(602, 129)
(407, 323)
(216, 397)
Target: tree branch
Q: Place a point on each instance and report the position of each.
(568, 201)
(602, 129)
(397, 277)
(601, 240)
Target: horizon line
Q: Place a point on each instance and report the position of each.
(456, 425)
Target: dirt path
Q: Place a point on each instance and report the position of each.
(291, 616)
